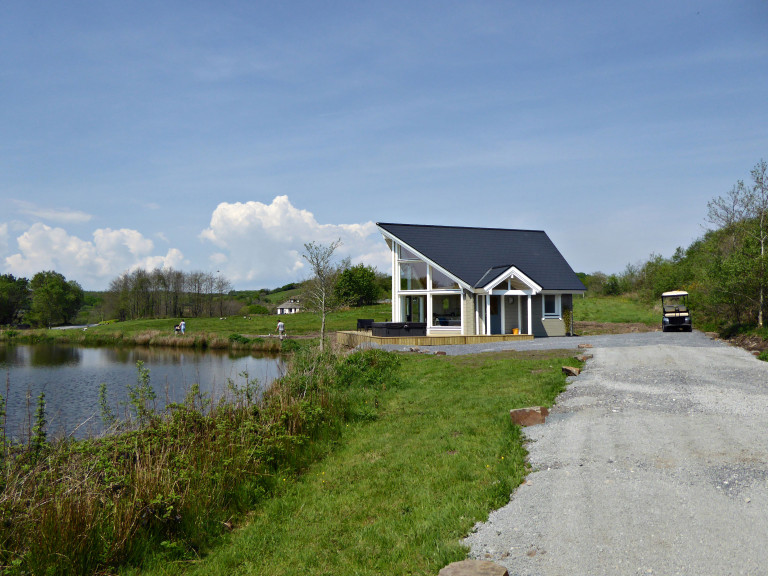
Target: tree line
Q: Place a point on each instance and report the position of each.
(168, 293)
(50, 299)
(725, 271)
(46, 300)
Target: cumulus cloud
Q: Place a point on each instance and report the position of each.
(262, 243)
(93, 263)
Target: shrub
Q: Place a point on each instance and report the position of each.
(238, 339)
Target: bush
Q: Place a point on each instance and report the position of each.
(238, 339)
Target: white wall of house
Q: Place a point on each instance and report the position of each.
(420, 288)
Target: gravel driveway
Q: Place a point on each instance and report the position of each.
(654, 461)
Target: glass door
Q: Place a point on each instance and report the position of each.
(413, 308)
(495, 314)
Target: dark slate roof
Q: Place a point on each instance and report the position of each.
(478, 255)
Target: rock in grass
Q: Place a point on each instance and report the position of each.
(529, 416)
(571, 371)
(473, 568)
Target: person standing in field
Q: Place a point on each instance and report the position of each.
(182, 326)
(280, 329)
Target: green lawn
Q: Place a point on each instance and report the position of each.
(613, 309)
(215, 332)
(399, 492)
(296, 324)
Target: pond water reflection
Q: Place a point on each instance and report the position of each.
(70, 377)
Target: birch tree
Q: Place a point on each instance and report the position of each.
(320, 290)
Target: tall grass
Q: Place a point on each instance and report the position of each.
(175, 484)
(200, 340)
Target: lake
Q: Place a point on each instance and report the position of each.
(70, 377)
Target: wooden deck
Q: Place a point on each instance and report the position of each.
(352, 339)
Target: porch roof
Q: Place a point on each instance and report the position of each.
(477, 255)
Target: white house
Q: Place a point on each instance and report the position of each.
(290, 307)
(474, 281)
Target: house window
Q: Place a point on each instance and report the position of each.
(551, 306)
(442, 282)
(413, 276)
(446, 310)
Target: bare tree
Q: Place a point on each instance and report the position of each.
(320, 293)
(222, 286)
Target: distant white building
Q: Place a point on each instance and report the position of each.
(290, 307)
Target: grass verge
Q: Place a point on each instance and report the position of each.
(405, 485)
(616, 309)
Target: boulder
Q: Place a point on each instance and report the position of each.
(529, 416)
(473, 568)
(584, 357)
(571, 371)
(584, 346)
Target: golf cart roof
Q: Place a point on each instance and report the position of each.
(674, 293)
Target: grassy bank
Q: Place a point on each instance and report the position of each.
(400, 490)
(165, 486)
(255, 333)
(364, 463)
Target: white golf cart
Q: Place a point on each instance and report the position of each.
(676, 314)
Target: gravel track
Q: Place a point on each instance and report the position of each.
(653, 461)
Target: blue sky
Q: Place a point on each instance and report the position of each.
(224, 135)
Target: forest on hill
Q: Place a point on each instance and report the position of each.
(724, 271)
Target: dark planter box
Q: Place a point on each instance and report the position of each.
(392, 329)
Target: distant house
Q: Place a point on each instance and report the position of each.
(290, 307)
(472, 281)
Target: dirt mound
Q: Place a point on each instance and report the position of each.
(595, 328)
(750, 343)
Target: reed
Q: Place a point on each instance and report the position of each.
(156, 338)
(175, 484)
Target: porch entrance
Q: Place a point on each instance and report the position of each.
(495, 306)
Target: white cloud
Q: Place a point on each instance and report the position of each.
(261, 244)
(60, 215)
(92, 263)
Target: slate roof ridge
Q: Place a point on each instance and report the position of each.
(460, 227)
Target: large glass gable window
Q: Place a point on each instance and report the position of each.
(442, 282)
(413, 276)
